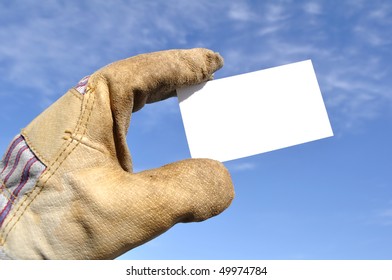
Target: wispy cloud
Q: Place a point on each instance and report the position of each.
(313, 8)
(240, 11)
(349, 60)
(52, 46)
(276, 12)
(384, 217)
(47, 48)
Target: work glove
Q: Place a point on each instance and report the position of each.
(67, 186)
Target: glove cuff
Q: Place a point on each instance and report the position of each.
(3, 255)
(20, 170)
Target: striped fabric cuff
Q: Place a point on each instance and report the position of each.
(19, 172)
(3, 255)
(81, 86)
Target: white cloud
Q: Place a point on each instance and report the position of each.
(381, 13)
(386, 213)
(371, 36)
(374, 25)
(241, 12)
(384, 217)
(313, 8)
(276, 12)
(267, 30)
(52, 46)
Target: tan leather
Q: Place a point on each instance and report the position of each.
(88, 204)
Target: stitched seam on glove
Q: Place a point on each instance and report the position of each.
(80, 130)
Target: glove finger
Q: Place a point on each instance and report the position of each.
(155, 76)
(191, 190)
(131, 209)
(127, 85)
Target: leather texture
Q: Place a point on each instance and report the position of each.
(88, 203)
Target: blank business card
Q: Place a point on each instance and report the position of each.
(253, 113)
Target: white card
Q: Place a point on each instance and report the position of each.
(253, 113)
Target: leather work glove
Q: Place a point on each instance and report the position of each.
(67, 186)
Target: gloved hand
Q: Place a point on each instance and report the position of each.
(67, 187)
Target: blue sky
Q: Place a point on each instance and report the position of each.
(328, 199)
